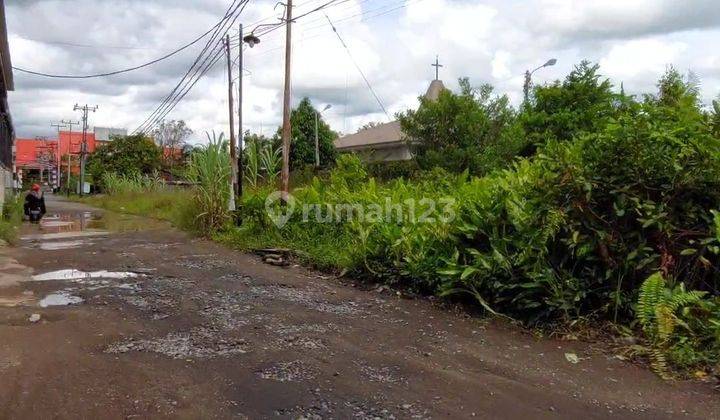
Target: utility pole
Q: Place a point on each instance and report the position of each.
(58, 173)
(241, 134)
(231, 111)
(83, 147)
(69, 123)
(287, 129)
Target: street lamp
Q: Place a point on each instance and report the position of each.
(528, 75)
(251, 40)
(317, 143)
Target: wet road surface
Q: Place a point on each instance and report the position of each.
(113, 316)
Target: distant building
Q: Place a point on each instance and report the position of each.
(105, 134)
(38, 160)
(384, 142)
(7, 133)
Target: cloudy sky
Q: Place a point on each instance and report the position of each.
(394, 42)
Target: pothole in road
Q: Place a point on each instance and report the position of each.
(202, 264)
(294, 371)
(389, 375)
(306, 298)
(200, 343)
(225, 310)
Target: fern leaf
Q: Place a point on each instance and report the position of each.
(651, 294)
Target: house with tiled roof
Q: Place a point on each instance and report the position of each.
(384, 142)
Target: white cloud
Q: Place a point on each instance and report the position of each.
(393, 41)
(640, 58)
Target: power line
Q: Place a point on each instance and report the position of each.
(186, 83)
(177, 91)
(78, 45)
(367, 82)
(402, 5)
(90, 76)
(199, 73)
(174, 98)
(280, 25)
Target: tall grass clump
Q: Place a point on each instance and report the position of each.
(131, 184)
(209, 170)
(10, 218)
(262, 163)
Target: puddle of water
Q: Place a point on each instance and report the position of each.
(63, 235)
(73, 274)
(56, 246)
(60, 299)
(55, 223)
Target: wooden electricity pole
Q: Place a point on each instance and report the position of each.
(241, 134)
(233, 148)
(84, 147)
(58, 157)
(69, 123)
(287, 129)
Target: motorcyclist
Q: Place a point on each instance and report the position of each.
(35, 204)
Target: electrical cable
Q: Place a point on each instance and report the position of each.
(367, 82)
(112, 73)
(180, 90)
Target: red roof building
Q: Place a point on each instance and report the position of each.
(38, 158)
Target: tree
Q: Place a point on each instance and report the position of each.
(171, 136)
(582, 103)
(715, 118)
(302, 145)
(125, 155)
(471, 130)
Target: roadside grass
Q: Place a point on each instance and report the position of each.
(326, 252)
(11, 218)
(172, 205)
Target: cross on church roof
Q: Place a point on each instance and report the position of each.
(437, 66)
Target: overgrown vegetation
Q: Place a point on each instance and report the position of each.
(209, 170)
(135, 155)
(10, 218)
(262, 161)
(471, 130)
(583, 203)
(683, 327)
(146, 196)
(596, 192)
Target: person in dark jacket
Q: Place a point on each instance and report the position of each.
(35, 204)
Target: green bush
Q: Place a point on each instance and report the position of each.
(470, 130)
(135, 155)
(385, 171)
(11, 217)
